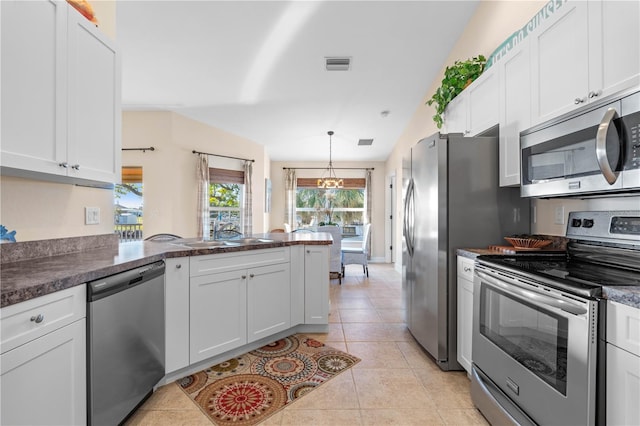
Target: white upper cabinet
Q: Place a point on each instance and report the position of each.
(614, 46)
(560, 60)
(455, 116)
(94, 137)
(588, 50)
(483, 103)
(60, 95)
(515, 109)
(476, 108)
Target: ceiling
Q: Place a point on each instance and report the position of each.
(257, 69)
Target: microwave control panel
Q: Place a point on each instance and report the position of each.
(632, 136)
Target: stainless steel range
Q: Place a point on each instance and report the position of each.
(538, 340)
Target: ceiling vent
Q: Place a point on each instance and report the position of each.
(365, 142)
(338, 64)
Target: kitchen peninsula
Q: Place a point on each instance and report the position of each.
(219, 302)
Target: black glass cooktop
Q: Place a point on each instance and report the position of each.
(575, 276)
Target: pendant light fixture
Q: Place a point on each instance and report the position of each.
(329, 180)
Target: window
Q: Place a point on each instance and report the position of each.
(129, 204)
(316, 206)
(226, 190)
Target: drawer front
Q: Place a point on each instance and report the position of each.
(623, 327)
(465, 268)
(215, 263)
(25, 321)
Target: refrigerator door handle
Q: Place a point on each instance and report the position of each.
(408, 218)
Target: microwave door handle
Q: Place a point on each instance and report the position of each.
(531, 296)
(601, 144)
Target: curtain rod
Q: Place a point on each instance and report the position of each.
(225, 156)
(139, 149)
(324, 168)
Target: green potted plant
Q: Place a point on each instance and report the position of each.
(456, 78)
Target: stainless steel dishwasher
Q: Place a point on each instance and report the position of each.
(125, 342)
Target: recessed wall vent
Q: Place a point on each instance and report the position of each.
(338, 64)
(365, 142)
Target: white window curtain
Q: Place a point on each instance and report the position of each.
(247, 211)
(290, 198)
(367, 203)
(203, 220)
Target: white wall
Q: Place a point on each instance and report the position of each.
(378, 194)
(169, 172)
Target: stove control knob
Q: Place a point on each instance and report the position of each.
(587, 223)
(576, 223)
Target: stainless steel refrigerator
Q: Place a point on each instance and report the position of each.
(452, 200)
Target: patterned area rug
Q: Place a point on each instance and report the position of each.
(248, 389)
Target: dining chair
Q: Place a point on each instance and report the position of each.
(358, 255)
(334, 250)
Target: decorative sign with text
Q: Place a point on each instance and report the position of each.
(512, 41)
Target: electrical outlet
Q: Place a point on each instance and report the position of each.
(559, 220)
(92, 215)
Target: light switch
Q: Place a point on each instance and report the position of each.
(559, 220)
(92, 215)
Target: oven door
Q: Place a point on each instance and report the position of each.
(536, 345)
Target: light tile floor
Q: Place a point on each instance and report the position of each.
(396, 383)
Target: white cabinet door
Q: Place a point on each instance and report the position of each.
(60, 95)
(455, 116)
(176, 313)
(218, 314)
(316, 284)
(34, 85)
(515, 110)
(614, 46)
(560, 60)
(268, 301)
(465, 311)
(43, 382)
(94, 103)
(623, 387)
(483, 102)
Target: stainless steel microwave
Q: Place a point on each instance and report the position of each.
(594, 150)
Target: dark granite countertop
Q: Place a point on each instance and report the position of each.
(32, 277)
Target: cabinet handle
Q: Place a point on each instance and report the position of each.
(64, 165)
(578, 101)
(244, 277)
(37, 319)
(308, 251)
(251, 275)
(467, 269)
(593, 94)
(178, 266)
(76, 167)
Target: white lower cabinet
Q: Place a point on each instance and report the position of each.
(316, 289)
(218, 314)
(43, 381)
(623, 364)
(176, 313)
(465, 311)
(268, 301)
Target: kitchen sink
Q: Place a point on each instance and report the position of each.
(209, 244)
(250, 240)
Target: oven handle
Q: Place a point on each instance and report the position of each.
(516, 290)
(601, 145)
